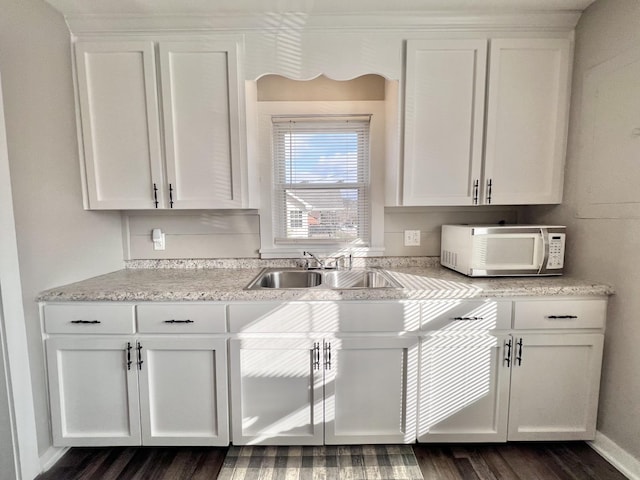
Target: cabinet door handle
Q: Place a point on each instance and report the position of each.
(559, 317)
(129, 356)
(85, 321)
(507, 347)
(140, 361)
(468, 318)
(327, 356)
(179, 321)
(170, 196)
(155, 194)
(519, 355)
(476, 189)
(316, 356)
(489, 187)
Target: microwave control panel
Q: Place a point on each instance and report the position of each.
(556, 250)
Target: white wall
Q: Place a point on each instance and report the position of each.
(206, 234)
(58, 242)
(605, 243)
(7, 463)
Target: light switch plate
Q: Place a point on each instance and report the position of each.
(412, 238)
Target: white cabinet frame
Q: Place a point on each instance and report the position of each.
(119, 115)
(135, 95)
(94, 396)
(485, 121)
(555, 382)
(183, 391)
(117, 390)
(444, 121)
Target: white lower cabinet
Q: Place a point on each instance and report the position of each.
(464, 389)
(305, 391)
(483, 381)
(126, 390)
(183, 391)
(449, 370)
(93, 394)
(555, 381)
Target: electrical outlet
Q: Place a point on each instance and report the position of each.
(412, 238)
(158, 238)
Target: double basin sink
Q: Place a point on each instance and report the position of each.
(295, 278)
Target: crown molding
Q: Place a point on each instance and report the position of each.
(107, 24)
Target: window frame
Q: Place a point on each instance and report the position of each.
(260, 153)
(293, 181)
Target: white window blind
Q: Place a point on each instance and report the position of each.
(321, 179)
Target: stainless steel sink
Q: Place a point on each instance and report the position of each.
(358, 279)
(296, 278)
(287, 279)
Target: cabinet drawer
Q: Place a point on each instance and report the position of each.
(534, 314)
(290, 317)
(379, 316)
(177, 318)
(89, 319)
(459, 316)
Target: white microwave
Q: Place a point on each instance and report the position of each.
(503, 250)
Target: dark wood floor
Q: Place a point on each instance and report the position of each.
(513, 461)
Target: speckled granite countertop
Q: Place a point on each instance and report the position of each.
(421, 280)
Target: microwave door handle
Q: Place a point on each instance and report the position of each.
(544, 233)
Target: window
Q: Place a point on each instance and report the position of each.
(321, 179)
(295, 218)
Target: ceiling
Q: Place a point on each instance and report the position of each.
(168, 7)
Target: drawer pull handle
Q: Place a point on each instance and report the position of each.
(519, 355)
(179, 321)
(327, 356)
(85, 321)
(128, 355)
(140, 361)
(468, 318)
(507, 347)
(316, 356)
(561, 317)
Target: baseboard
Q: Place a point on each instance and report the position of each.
(618, 457)
(51, 456)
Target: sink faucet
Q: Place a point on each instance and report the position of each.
(347, 261)
(318, 261)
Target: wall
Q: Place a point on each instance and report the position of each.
(205, 234)
(429, 220)
(193, 234)
(604, 242)
(58, 242)
(7, 462)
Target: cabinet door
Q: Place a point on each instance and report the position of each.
(93, 392)
(526, 121)
(183, 391)
(370, 390)
(120, 124)
(463, 388)
(276, 392)
(444, 113)
(200, 99)
(554, 387)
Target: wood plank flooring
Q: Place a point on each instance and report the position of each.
(512, 461)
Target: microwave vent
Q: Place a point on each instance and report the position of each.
(449, 258)
(480, 254)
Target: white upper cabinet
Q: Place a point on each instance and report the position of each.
(120, 99)
(524, 135)
(526, 121)
(200, 100)
(120, 124)
(445, 81)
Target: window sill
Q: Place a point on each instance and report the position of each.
(291, 251)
